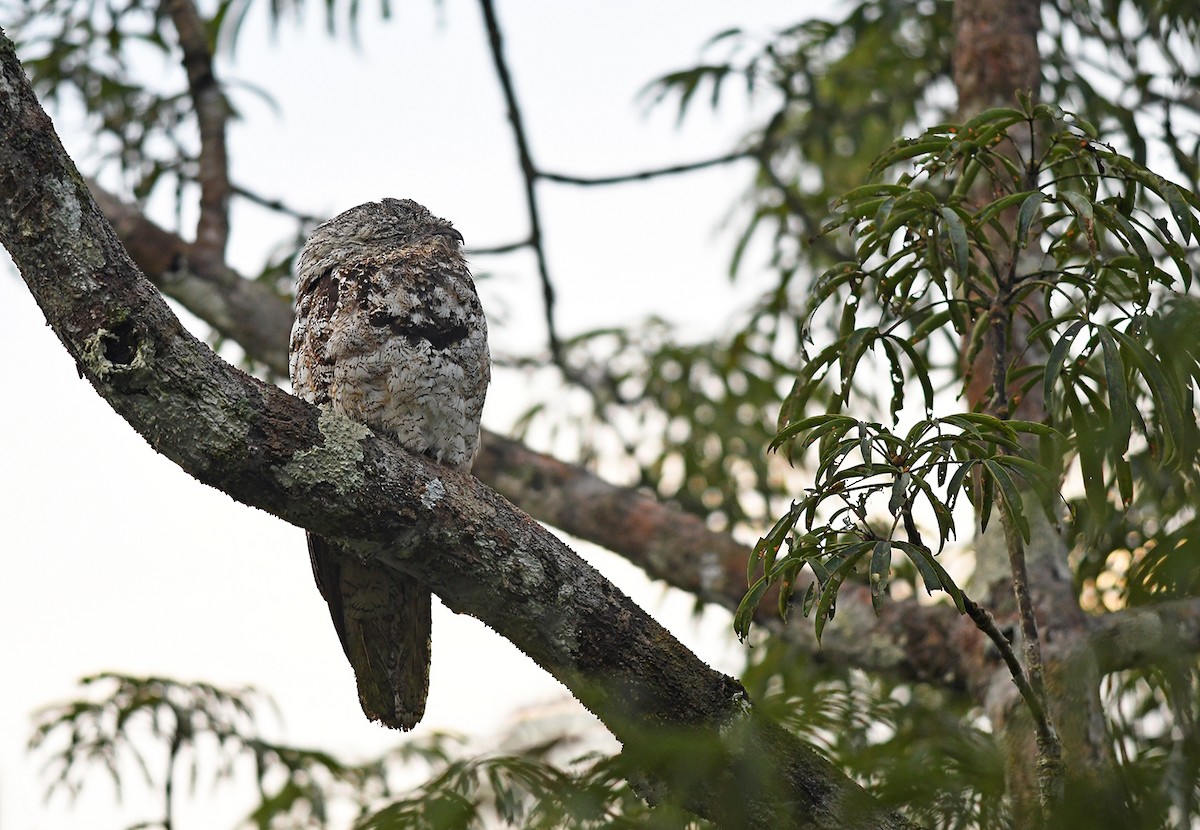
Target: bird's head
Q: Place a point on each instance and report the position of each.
(372, 228)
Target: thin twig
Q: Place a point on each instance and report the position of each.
(212, 113)
(986, 623)
(528, 171)
(1049, 746)
(274, 204)
(643, 175)
(500, 249)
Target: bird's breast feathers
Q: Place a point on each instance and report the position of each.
(399, 342)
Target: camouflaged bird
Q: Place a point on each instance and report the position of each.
(389, 332)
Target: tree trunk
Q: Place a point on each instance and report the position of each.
(995, 59)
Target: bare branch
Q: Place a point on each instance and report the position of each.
(212, 113)
(528, 171)
(500, 249)
(644, 175)
(275, 204)
(323, 472)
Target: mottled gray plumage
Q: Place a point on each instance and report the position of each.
(389, 331)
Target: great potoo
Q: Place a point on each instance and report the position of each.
(389, 332)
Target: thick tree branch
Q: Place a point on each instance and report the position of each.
(245, 311)
(1146, 636)
(323, 472)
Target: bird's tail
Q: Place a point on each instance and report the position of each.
(382, 618)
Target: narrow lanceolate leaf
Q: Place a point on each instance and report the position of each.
(958, 483)
(899, 493)
(826, 601)
(897, 377)
(816, 423)
(1011, 501)
(1091, 466)
(746, 608)
(945, 519)
(920, 369)
(1081, 206)
(1179, 209)
(932, 573)
(997, 207)
(768, 546)
(1118, 394)
(987, 493)
(881, 565)
(929, 325)
(864, 447)
(1124, 481)
(1025, 217)
(958, 240)
(1058, 358)
(929, 576)
(1167, 399)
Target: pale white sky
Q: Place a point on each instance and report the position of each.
(117, 560)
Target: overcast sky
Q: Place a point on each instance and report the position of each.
(117, 560)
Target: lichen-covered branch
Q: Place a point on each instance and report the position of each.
(323, 472)
(244, 311)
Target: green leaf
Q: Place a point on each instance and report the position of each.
(929, 325)
(1124, 481)
(998, 118)
(945, 519)
(817, 423)
(826, 601)
(958, 482)
(1025, 216)
(881, 564)
(1091, 466)
(1179, 209)
(1058, 358)
(920, 369)
(864, 447)
(1167, 398)
(1010, 497)
(1118, 394)
(744, 615)
(768, 546)
(929, 575)
(899, 493)
(958, 240)
(1081, 206)
(932, 573)
(855, 345)
(992, 209)
(987, 493)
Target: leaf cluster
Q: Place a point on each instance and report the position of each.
(914, 746)
(1022, 238)
(172, 731)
